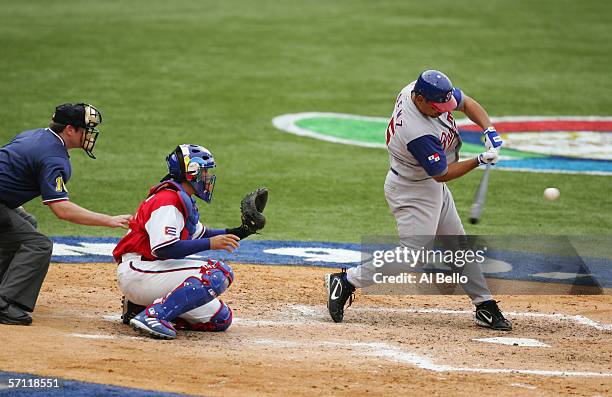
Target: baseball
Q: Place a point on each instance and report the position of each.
(551, 193)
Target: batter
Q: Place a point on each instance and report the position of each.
(423, 145)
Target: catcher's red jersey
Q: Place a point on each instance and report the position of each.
(159, 222)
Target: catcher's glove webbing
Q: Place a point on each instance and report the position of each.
(251, 208)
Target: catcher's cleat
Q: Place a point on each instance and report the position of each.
(129, 310)
(148, 324)
(339, 290)
(488, 315)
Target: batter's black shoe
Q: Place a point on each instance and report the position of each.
(129, 310)
(488, 315)
(339, 290)
(12, 314)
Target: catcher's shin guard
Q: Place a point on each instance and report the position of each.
(194, 292)
(155, 320)
(219, 322)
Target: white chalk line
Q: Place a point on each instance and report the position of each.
(247, 322)
(104, 336)
(523, 342)
(523, 385)
(317, 311)
(389, 352)
(93, 336)
(392, 353)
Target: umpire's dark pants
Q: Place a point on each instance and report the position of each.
(25, 255)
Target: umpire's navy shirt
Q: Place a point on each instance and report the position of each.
(35, 163)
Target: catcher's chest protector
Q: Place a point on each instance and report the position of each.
(189, 204)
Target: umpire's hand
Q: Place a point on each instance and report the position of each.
(121, 221)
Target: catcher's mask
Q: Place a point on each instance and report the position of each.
(81, 115)
(194, 164)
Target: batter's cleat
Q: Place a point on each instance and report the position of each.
(339, 290)
(488, 315)
(11, 314)
(146, 323)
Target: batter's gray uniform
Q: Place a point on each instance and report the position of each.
(422, 207)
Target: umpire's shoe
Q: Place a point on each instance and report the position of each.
(488, 315)
(147, 323)
(12, 314)
(339, 290)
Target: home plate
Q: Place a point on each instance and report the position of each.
(514, 342)
(561, 275)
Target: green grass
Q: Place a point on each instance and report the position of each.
(216, 73)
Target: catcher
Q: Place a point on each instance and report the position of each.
(163, 290)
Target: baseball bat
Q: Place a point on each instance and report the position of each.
(481, 195)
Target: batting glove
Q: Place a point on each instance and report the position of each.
(492, 140)
(489, 157)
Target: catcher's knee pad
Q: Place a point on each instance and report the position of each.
(219, 322)
(217, 275)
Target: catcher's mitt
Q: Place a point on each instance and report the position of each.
(251, 207)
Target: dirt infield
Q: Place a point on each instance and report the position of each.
(283, 343)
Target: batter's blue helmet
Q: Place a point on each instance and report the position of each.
(193, 164)
(437, 89)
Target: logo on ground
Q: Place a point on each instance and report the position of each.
(562, 144)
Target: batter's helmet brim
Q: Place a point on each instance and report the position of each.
(444, 107)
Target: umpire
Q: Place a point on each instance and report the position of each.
(36, 163)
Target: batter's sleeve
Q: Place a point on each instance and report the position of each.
(458, 94)
(427, 149)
